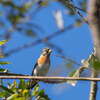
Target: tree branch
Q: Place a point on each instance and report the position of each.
(11, 74)
(77, 12)
(81, 66)
(51, 78)
(40, 40)
(68, 60)
(94, 18)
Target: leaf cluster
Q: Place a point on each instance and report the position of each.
(16, 91)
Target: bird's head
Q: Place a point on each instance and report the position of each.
(46, 51)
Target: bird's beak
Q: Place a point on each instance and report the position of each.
(50, 51)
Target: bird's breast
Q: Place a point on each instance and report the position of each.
(42, 69)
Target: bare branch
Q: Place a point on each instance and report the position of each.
(51, 78)
(69, 60)
(11, 74)
(40, 40)
(77, 12)
(81, 9)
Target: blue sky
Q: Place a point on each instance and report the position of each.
(76, 44)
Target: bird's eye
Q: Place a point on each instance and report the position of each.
(47, 51)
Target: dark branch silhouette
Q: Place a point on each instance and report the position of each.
(40, 40)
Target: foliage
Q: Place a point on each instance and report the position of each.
(17, 19)
(75, 73)
(78, 71)
(2, 42)
(3, 62)
(16, 91)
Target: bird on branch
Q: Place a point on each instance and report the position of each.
(41, 67)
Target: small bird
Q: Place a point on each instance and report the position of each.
(41, 67)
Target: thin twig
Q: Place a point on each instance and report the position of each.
(11, 74)
(81, 9)
(68, 60)
(82, 66)
(78, 12)
(51, 78)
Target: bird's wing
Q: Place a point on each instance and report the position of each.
(32, 83)
(34, 68)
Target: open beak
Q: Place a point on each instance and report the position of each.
(50, 51)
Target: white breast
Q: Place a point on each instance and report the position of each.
(41, 70)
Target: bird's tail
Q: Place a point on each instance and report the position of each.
(32, 83)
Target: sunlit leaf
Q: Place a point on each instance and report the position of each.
(25, 93)
(9, 85)
(2, 42)
(75, 73)
(35, 89)
(13, 86)
(2, 94)
(4, 63)
(13, 97)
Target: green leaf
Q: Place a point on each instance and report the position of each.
(75, 73)
(25, 93)
(42, 95)
(2, 42)
(9, 85)
(2, 70)
(12, 86)
(13, 97)
(35, 90)
(6, 89)
(96, 64)
(22, 84)
(36, 87)
(4, 63)
(2, 94)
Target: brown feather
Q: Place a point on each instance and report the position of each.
(44, 59)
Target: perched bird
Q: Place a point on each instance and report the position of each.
(41, 67)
